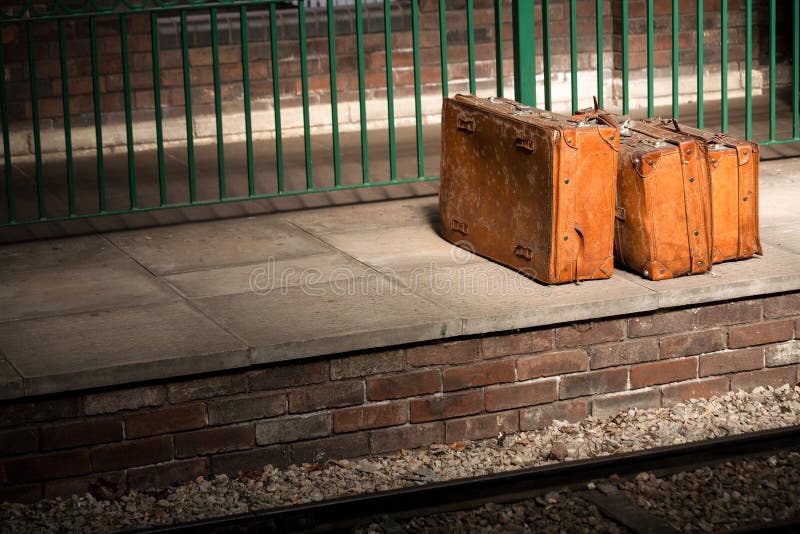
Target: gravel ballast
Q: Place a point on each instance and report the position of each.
(635, 429)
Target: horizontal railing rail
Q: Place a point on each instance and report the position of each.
(418, 57)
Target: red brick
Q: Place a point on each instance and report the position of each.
(332, 395)
(446, 405)
(257, 459)
(541, 416)
(760, 333)
(720, 363)
(552, 363)
(81, 432)
(344, 446)
(404, 385)
(607, 405)
(515, 344)
(663, 372)
(782, 354)
(66, 487)
(694, 389)
(518, 395)
(406, 437)
(775, 376)
(479, 374)
(450, 352)
(592, 383)
(18, 441)
(589, 333)
(164, 475)
(286, 376)
(372, 363)
(782, 306)
(132, 453)
(204, 388)
(481, 426)
(47, 466)
(741, 311)
(371, 416)
(125, 399)
(254, 406)
(288, 429)
(692, 343)
(661, 323)
(624, 353)
(17, 413)
(165, 420)
(22, 493)
(214, 440)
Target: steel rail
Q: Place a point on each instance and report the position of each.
(345, 512)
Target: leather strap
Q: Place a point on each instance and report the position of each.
(696, 198)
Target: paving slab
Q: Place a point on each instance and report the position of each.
(104, 348)
(330, 317)
(57, 253)
(489, 297)
(11, 385)
(195, 246)
(401, 248)
(785, 237)
(776, 271)
(266, 275)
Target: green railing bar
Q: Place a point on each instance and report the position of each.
(337, 166)
(227, 200)
(772, 31)
(187, 103)
(248, 115)
(62, 54)
(650, 60)
(724, 64)
(700, 62)
(37, 138)
(162, 174)
(675, 57)
(29, 12)
(599, 36)
(471, 45)
(301, 21)
(548, 94)
(362, 93)
(126, 92)
(442, 46)
(387, 38)
(98, 123)
(8, 170)
(779, 141)
(796, 71)
(417, 89)
(276, 96)
(625, 90)
(498, 45)
(524, 52)
(573, 53)
(218, 104)
(748, 74)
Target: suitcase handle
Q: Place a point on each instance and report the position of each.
(465, 123)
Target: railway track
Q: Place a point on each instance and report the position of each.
(387, 508)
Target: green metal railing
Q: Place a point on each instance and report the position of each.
(532, 42)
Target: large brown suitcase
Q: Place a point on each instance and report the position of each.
(663, 226)
(734, 191)
(528, 188)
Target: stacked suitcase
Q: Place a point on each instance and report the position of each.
(558, 198)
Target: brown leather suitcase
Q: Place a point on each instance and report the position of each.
(734, 191)
(663, 226)
(528, 188)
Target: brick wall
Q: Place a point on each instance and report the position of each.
(378, 402)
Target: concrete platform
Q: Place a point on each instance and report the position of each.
(122, 307)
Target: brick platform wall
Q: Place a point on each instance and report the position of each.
(371, 403)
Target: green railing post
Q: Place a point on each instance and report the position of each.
(524, 52)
